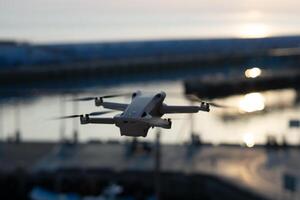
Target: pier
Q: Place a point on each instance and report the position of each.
(177, 59)
(229, 170)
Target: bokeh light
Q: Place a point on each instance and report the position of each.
(253, 72)
(252, 102)
(249, 140)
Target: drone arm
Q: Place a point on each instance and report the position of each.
(115, 106)
(184, 109)
(179, 109)
(87, 120)
(158, 122)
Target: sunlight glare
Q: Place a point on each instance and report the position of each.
(252, 102)
(255, 30)
(253, 72)
(249, 140)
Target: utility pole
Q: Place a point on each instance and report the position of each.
(17, 122)
(75, 121)
(157, 165)
(1, 131)
(192, 123)
(62, 108)
(1, 125)
(294, 123)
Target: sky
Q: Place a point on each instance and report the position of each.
(99, 20)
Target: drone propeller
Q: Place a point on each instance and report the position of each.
(197, 99)
(217, 105)
(84, 99)
(116, 95)
(99, 113)
(68, 116)
(194, 98)
(90, 114)
(101, 97)
(180, 118)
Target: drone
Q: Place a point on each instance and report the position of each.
(136, 118)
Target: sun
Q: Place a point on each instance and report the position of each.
(253, 30)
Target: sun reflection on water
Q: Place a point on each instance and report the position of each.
(249, 140)
(253, 72)
(252, 102)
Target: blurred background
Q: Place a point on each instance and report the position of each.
(243, 54)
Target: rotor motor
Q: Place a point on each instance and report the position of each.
(204, 106)
(98, 101)
(84, 119)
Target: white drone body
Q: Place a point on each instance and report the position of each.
(144, 111)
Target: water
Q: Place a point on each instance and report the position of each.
(80, 20)
(229, 125)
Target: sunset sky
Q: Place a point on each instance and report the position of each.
(94, 20)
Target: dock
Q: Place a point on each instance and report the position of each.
(227, 86)
(139, 60)
(258, 171)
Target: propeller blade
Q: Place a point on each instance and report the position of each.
(180, 118)
(105, 96)
(193, 97)
(100, 113)
(67, 117)
(84, 99)
(197, 99)
(116, 95)
(90, 114)
(217, 105)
